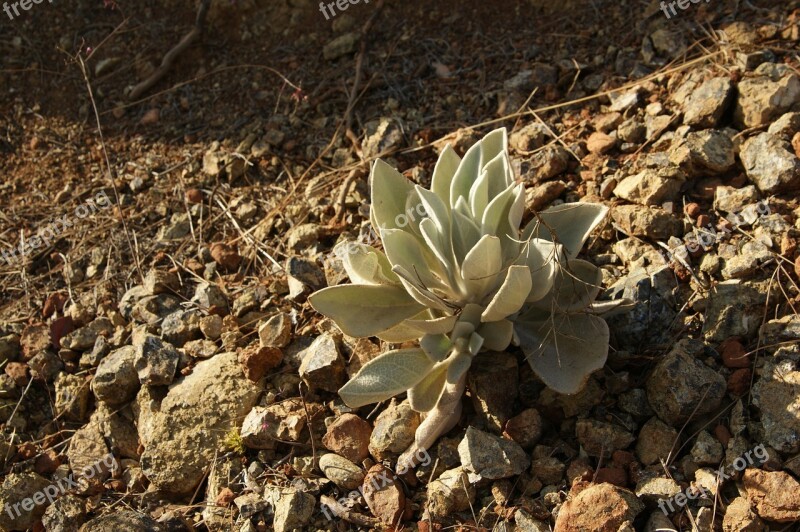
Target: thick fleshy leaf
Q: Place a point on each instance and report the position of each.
(405, 250)
(511, 295)
(437, 243)
(443, 173)
(471, 313)
(459, 364)
(365, 264)
(365, 310)
(575, 286)
(389, 192)
(465, 176)
(484, 261)
(436, 209)
(475, 343)
(427, 392)
(492, 144)
(479, 195)
(540, 256)
(517, 210)
(419, 292)
(436, 346)
(495, 217)
(387, 375)
(565, 350)
(441, 325)
(414, 214)
(463, 329)
(400, 333)
(496, 335)
(571, 222)
(466, 234)
(500, 177)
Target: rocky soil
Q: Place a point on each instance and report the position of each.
(162, 368)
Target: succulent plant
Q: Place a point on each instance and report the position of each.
(459, 275)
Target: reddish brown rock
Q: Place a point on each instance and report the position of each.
(256, 361)
(525, 428)
(59, 328)
(722, 434)
(733, 354)
(47, 462)
(348, 436)
(599, 142)
(598, 507)
(54, 303)
(384, 497)
(622, 458)
(34, 338)
(18, 373)
(612, 475)
(226, 256)
(194, 195)
(692, 210)
(775, 496)
(739, 381)
(225, 497)
(739, 517)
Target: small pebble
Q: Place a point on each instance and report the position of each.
(692, 210)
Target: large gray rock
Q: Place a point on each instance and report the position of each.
(293, 508)
(651, 289)
(394, 430)
(640, 221)
(192, 421)
(156, 361)
(682, 386)
(651, 186)
(705, 106)
(19, 508)
(66, 514)
(776, 395)
(599, 438)
(764, 98)
(323, 366)
(493, 380)
(704, 152)
(770, 163)
(735, 308)
(124, 521)
(451, 492)
(486, 456)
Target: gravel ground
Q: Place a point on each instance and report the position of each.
(162, 369)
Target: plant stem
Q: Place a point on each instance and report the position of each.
(437, 422)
